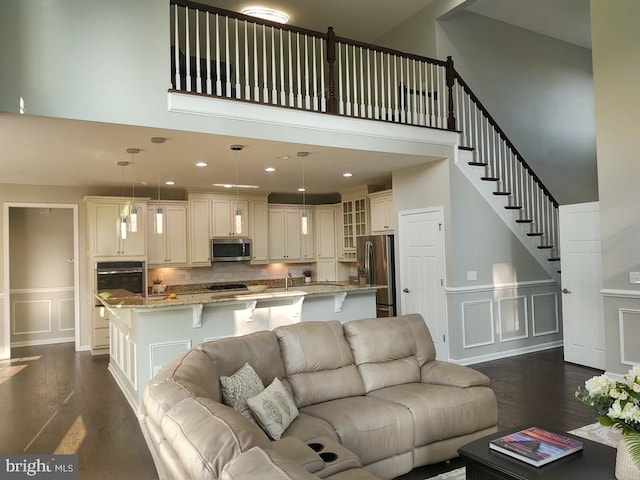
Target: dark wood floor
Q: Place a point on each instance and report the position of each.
(56, 400)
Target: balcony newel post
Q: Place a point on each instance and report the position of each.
(451, 119)
(332, 104)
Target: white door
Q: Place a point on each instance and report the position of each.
(581, 267)
(421, 285)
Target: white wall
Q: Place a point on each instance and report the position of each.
(616, 70)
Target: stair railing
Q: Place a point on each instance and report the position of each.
(514, 179)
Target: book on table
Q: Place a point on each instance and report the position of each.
(536, 446)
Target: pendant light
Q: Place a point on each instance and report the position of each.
(133, 212)
(123, 214)
(237, 210)
(159, 215)
(304, 221)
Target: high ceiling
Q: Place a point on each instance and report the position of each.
(86, 154)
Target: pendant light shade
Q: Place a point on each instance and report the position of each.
(133, 212)
(123, 227)
(159, 230)
(237, 224)
(304, 219)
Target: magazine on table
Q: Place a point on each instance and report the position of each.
(536, 446)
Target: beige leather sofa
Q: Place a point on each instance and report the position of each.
(368, 390)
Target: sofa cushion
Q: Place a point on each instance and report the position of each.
(318, 362)
(389, 351)
(237, 388)
(371, 428)
(441, 412)
(258, 463)
(261, 350)
(191, 374)
(305, 427)
(274, 409)
(206, 434)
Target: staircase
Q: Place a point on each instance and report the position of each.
(498, 171)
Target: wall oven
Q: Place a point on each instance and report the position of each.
(118, 278)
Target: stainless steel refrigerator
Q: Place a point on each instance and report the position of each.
(376, 266)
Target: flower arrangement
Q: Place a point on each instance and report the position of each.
(307, 272)
(617, 404)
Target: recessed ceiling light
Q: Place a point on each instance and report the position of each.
(302, 189)
(269, 169)
(201, 164)
(266, 14)
(347, 174)
(230, 185)
(282, 157)
(169, 182)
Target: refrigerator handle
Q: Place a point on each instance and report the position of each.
(369, 264)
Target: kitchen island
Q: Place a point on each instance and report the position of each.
(146, 333)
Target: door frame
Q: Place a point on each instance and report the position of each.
(400, 279)
(5, 349)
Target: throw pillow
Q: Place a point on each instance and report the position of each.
(238, 387)
(274, 409)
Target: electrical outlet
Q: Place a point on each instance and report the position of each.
(472, 276)
(187, 275)
(634, 277)
(264, 272)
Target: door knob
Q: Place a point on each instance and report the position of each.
(405, 290)
(564, 290)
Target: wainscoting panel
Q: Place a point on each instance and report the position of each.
(629, 333)
(544, 314)
(161, 353)
(477, 323)
(66, 315)
(31, 316)
(513, 318)
(527, 319)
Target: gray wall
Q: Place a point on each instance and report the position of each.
(538, 89)
(616, 69)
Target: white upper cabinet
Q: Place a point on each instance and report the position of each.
(170, 247)
(105, 216)
(199, 233)
(223, 221)
(286, 241)
(326, 232)
(383, 215)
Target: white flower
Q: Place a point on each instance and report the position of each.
(619, 394)
(630, 412)
(600, 385)
(615, 411)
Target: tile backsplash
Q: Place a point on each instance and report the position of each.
(225, 272)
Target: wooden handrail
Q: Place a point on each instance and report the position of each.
(398, 53)
(504, 137)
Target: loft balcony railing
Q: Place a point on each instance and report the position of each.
(226, 54)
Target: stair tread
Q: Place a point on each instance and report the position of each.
(468, 149)
(526, 220)
(513, 207)
(503, 194)
(555, 259)
(535, 234)
(478, 164)
(541, 247)
(490, 179)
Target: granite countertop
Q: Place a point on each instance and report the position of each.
(208, 296)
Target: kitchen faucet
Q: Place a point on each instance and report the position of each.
(286, 281)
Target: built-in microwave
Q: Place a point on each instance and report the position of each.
(230, 249)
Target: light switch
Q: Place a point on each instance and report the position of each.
(634, 277)
(472, 275)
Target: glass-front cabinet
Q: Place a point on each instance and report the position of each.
(354, 224)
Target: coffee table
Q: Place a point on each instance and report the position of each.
(595, 462)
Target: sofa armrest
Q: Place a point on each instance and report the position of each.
(300, 452)
(450, 374)
(264, 464)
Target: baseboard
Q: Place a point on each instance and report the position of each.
(506, 354)
(32, 343)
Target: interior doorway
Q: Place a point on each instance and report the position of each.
(41, 275)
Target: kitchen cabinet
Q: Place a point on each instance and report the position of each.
(354, 224)
(104, 227)
(223, 223)
(213, 215)
(326, 232)
(259, 214)
(170, 247)
(383, 215)
(199, 236)
(286, 241)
